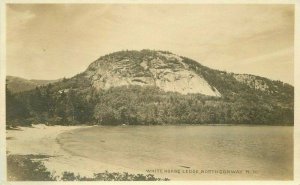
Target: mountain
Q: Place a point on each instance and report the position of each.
(155, 87)
(17, 84)
(165, 70)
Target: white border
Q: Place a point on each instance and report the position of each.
(2, 94)
(296, 180)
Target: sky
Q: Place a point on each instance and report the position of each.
(51, 41)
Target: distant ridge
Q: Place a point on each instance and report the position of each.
(18, 84)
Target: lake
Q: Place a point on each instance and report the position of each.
(189, 152)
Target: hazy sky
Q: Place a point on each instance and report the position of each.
(54, 41)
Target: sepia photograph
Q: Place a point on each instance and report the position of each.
(149, 92)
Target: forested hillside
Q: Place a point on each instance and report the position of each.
(17, 84)
(244, 99)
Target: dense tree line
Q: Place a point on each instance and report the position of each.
(136, 105)
(75, 101)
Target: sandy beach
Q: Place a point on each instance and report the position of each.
(42, 140)
(86, 150)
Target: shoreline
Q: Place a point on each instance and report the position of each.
(146, 125)
(44, 140)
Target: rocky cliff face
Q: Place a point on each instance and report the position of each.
(252, 81)
(148, 68)
(262, 84)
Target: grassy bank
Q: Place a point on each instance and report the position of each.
(30, 168)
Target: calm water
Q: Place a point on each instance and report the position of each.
(259, 152)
